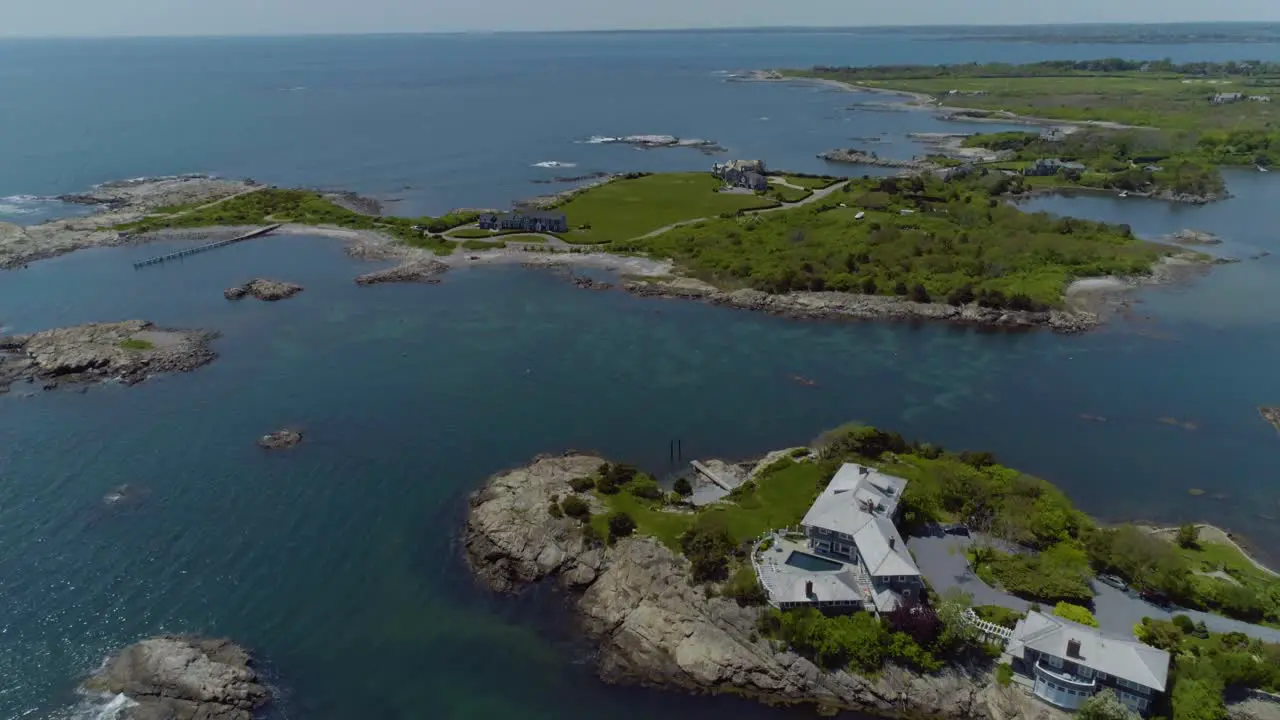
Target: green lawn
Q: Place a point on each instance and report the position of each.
(474, 244)
(651, 519)
(788, 194)
(627, 209)
(813, 183)
(475, 232)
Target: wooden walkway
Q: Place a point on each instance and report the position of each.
(202, 248)
(708, 473)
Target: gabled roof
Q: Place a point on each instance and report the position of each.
(1116, 656)
(860, 502)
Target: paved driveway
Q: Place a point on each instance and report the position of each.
(941, 560)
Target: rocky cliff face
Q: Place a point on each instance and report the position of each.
(656, 628)
(183, 678)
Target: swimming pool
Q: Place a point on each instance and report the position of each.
(813, 563)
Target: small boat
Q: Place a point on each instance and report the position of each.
(1124, 193)
(1262, 169)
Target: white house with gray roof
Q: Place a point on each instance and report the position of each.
(853, 555)
(1069, 663)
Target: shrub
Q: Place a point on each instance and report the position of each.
(555, 510)
(614, 477)
(591, 535)
(1004, 674)
(708, 546)
(575, 507)
(919, 294)
(582, 484)
(745, 588)
(683, 487)
(999, 615)
(645, 487)
(1075, 613)
(1185, 624)
(1105, 706)
(135, 344)
(620, 525)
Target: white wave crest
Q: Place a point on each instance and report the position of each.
(601, 140)
(554, 164)
(98, 706)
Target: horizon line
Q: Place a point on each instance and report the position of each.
(622, 31)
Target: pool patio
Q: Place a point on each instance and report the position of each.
(789, 585)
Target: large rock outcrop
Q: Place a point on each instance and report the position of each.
(656, 628)
(417, 270)
(263, 289)
(130, 351)
(183, 678)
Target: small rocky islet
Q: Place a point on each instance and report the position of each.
(282, 439)
(263, 289)
(182, 677)
(130, 351)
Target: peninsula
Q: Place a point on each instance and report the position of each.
(928, 246)
(684, 590)
(1152, 128)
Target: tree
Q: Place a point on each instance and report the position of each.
(1188, 535)
(919, 293)
(708, 545)
(683, 487)
(620, 525)
(1105, 706)
(916, 620)
(869, 286)
(645, 487)
(900, 288)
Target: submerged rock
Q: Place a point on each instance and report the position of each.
(263, 289)
(280, 439)
(1271, 415)
(175, 677)
(1193, 237)
(130, 351)
(656, 627)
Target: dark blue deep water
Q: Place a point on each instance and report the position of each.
(338, 562)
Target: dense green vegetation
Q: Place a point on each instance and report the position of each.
(1131, 160)
(136, 344)
(944, 240)
(1207, 666)
(1075, 614)
(271, 205)
(628, 208)
(812, 182)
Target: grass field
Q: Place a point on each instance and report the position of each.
(626, 209)
(788, 194)
(813, 183)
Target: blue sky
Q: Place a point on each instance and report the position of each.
(279, 17)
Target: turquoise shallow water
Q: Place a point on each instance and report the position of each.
(338, 562)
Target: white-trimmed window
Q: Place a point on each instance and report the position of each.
(1053, 661)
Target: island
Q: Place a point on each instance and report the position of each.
(1271, 415)
(1150, 128)
(263, 289)
(717, 586)
(180, 677)
(130, 351)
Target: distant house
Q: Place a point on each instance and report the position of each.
(748, 174)
(1225, 98)
(1069, 663)
(1053, 134)
(1045, 167)
(1260, 98)
(526, 220)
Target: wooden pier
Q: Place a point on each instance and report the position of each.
(728, 484)
(202, 248)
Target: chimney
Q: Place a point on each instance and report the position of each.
(808, 589)
(1073, 648)
(893, 541)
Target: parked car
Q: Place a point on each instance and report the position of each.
(1156, 598)
(956, 529)
(1113, 581)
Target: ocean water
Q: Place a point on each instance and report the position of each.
(338, 562)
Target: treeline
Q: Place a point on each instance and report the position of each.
(1049, 68)
(1209, 666)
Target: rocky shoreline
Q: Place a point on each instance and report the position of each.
(182, 677)
(121, 202)
(1271, 415)
(849, 306)
(129, 351)
(421, 270)
(655, 628)
(870, 159)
